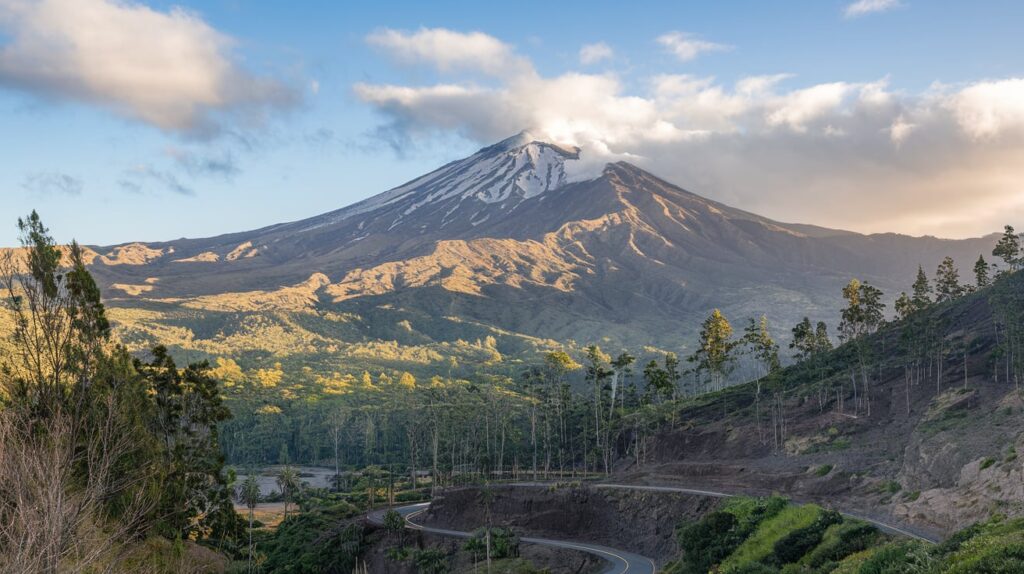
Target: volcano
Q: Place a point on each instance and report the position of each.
(514, 240)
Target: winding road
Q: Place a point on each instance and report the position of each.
(887, 527)
(619, 561)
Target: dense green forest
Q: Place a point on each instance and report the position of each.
(578, 413)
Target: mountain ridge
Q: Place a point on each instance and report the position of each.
(624, 257)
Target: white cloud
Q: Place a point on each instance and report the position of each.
(864, 7)
(169, 69)
(919, 163)
(594, 53)
(686, 47)
(799, 108)
(451, 51)
(988, 109)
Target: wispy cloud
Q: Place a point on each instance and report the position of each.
(220, 165)
(451, 51)
(168, 69)
(594, 53)
(52, 183)
(763, 142)
(142, 178)
(686, 47)
(864, 7)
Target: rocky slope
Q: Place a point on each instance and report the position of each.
(937, 449)
(515, 241)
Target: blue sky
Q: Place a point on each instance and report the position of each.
(902, 117)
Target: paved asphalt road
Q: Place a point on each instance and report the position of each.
(886, 527)
(619, 561)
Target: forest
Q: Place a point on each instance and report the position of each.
(108, 457)
(576, 415)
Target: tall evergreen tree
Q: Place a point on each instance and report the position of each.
(981, 273)
(947, 281)
(904, 306)
(803, 339)
(1009, 249)
(922, 290)
(714, 355)
(822, 342)
(758, 339)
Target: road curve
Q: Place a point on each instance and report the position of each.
(619, 561)
(883, 526)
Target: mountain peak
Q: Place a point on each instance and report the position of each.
(503, 174)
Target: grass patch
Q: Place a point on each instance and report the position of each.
(761, 544)
(889, 487)
(989, 461)
(823, 470)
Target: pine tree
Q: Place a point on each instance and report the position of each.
(904, 306)
(1008, 249)
(803, 340)
(822, 342)
(715, 353)
(981, 275)
(947, 281)
(757, 336)
(922, 294)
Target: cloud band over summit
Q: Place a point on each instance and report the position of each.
(766, 142)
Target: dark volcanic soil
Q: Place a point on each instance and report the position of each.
(640, 522)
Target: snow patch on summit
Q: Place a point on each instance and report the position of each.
(505, 173)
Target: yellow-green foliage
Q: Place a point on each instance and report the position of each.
(998, 544)
(852, 563)
(761, 543)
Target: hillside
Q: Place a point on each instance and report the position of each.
(514, 243)
(932, 438)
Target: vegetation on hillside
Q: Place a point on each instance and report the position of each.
(768, 536)
(102, 455)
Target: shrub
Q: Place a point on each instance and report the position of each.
(841, 540)
(997, 559)
(707, 542)
(989, 461)
(823, 470)
(761, 544)
(899, 558)
(393, 522)
(430, 561)
(755, 568)
(890, 487)
(794, 545)
(504, 543)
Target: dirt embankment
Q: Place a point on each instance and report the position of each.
(937, 454)
(640, 522)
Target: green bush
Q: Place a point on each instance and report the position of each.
(899, 558)
(707, 542)
(313, 543)
(997, 559)
(504, 543)
(792, 547)
(430, 561)
(840, 541)
(761, 544)
(823, 470)
(989, 461)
